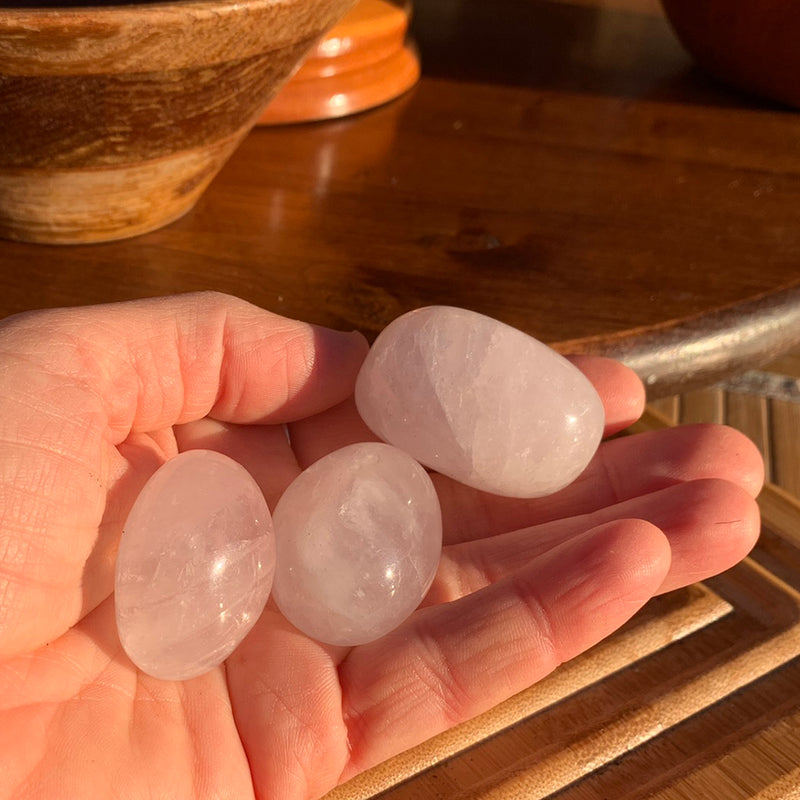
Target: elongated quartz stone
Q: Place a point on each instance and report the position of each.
(358, 534)
(480, 401)
(195, 565)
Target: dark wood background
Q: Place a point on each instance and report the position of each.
(561, 166)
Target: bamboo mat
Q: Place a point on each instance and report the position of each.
(697, 697)
(772, 423)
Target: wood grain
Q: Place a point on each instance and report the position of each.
(668, 409)
(785, 436)
(560, 166)
(60, 206)
(139, 90)
(749, 414)
(156, 37)
(102, 120)
(774, 425)
(702, 405)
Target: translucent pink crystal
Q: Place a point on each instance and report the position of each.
(480, 401)
(194, 567)
(358, 535)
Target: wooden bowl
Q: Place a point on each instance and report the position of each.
(114, 119)
(749, 44)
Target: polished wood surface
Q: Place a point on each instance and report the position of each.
(561, 166)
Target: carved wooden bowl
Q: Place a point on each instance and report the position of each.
(114, 119)
(750, 44)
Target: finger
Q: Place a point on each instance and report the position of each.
(286, 701)
(622, 469)
(160, 362)
(618, 386)
(450, 662)
(87, 398)
(337, 427)
(710, 525)
(263, 450)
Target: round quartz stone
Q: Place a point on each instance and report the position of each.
(358, 536)
(480, 401)
(195, 565)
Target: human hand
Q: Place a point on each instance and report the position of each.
(93, 400)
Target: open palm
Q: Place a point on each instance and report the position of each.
(93, 400)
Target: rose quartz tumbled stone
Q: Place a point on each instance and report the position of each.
(358, 536)
(480, 401)
(195, 565)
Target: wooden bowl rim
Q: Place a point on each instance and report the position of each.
(149, 37)
(58, 16)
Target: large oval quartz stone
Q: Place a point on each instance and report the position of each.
(358, 534)
(195, 565)
(480, 401)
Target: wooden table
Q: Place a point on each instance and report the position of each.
(561, 166)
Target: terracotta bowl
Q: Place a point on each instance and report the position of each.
(749, 44)
(114, 119)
